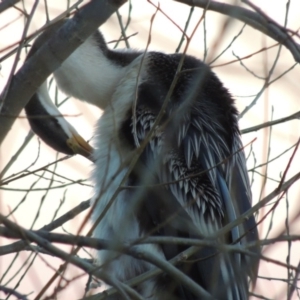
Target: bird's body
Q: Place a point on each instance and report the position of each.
(189, 174)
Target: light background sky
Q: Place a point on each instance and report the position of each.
(282, 96)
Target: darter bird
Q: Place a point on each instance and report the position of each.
(169, 162)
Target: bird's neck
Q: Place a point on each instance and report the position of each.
(89, 75)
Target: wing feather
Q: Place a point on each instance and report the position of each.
(185, 158)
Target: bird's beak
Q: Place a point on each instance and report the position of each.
(79, 146)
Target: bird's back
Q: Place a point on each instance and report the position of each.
(182, 184)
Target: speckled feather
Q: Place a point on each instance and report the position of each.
(204, 136)
(190, 139)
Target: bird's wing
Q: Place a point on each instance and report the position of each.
(195, 185)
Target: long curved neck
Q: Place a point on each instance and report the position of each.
(91, 73)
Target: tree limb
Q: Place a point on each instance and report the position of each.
(271, 123)
(134, 251)
(257, 21)
(50, 56)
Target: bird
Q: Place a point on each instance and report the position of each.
(168, 162)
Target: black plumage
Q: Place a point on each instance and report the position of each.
(190, 179)
(199, 137)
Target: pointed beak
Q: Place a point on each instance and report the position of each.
(79, 146)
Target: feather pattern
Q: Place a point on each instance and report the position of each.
(184, 175)
(190, 179)
(193, 155)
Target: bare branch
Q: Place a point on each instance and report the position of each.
(271, 123)
(135, 252)
(20, 245)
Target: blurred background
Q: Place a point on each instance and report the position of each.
(241, 56)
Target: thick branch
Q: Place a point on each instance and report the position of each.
(50, 56)
(260, 22)
(4, 5)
